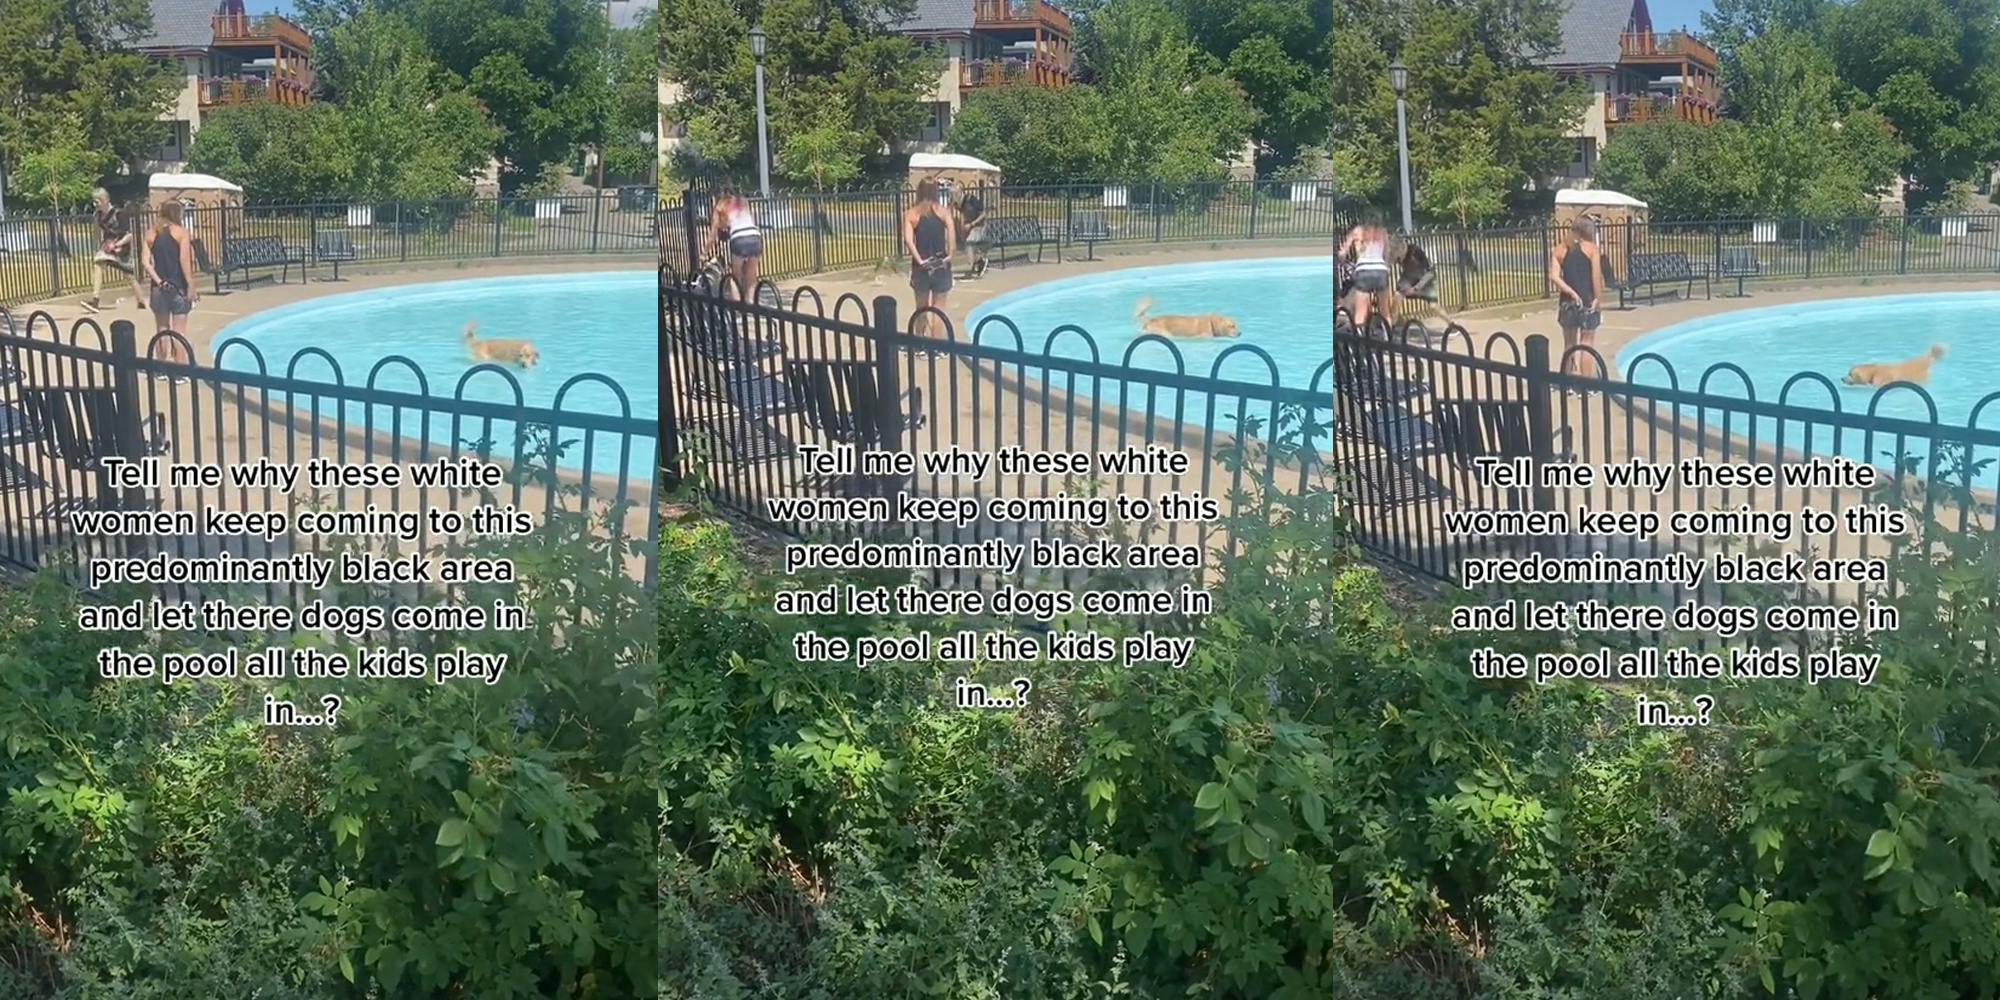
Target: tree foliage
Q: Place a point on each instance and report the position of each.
(1930, 69)
(64, 70)
(1278, 52)
(1158, 109)
(406, 128)
(820, 57)
(1473, 69)
(538, 67)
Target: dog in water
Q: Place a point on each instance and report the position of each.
(500, 351)
(1204, 325)
(1916, 370)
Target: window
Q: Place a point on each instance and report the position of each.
(1584, 159)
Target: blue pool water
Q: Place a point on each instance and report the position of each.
(1829, 337)
(1281, 308)
(594, 324)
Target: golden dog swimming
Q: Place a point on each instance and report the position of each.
(500, 351)
(1205, 325)
(1916, 370)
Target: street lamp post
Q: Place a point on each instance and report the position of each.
(1399, 80)
(763, 142)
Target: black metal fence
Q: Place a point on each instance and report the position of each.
(811, 233)
(53, 255)
(1478, 268)
(79, 406)
(1417, 425)
(748, 388)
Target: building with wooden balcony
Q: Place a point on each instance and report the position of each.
(988, 43)
(1636, 74)
(225, 56)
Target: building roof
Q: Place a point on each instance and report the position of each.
(940, 16)
(181, 24)
(1590, 30)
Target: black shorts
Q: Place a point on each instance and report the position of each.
(934, 280)
(1574, 317)
(746, 247)
(1371, 280)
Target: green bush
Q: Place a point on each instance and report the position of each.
(1323, 803)
(443, 841)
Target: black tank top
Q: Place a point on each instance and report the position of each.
(930, 235)
(1577, 274)
(167, 260)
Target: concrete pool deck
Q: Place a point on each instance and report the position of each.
(208, 425)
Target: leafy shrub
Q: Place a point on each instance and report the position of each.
(445, 840)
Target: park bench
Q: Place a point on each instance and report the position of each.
(1739, 263)
(248, 253)
(1645, 270)
(1089, 229)
(334, 246)
(1016, 231)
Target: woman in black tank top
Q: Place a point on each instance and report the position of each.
(169, 253)
(1573, 270)
(928, 239)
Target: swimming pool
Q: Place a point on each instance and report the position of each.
(592, 324)
(1829, 337)
(1281, 307)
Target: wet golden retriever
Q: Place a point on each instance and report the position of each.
(1916, 370)
(500, 351)
(1204, 325)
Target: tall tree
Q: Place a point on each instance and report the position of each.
(1279, 53)
(1929, 68)
(66, 69)
(820, 55)
(1473, 69)
(1932, 68)
(537, 66)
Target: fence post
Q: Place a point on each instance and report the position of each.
(891, 413)
(499, 221)
(596, 216)
(896, 226)
(819, 240)
(125, 384)
(1069, 223)
(1253, 212)
(1541, 425)
(55, 256)
(1153, 205)
(687, 227)
(670, 439)
(402, 234)
(1715, 231)
(312, 236)
(1548, 251)
(1808, 245)
(1903, 256)
(1464, 256)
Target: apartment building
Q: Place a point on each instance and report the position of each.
(1636, 74)
(225, 57)
(988, 43)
